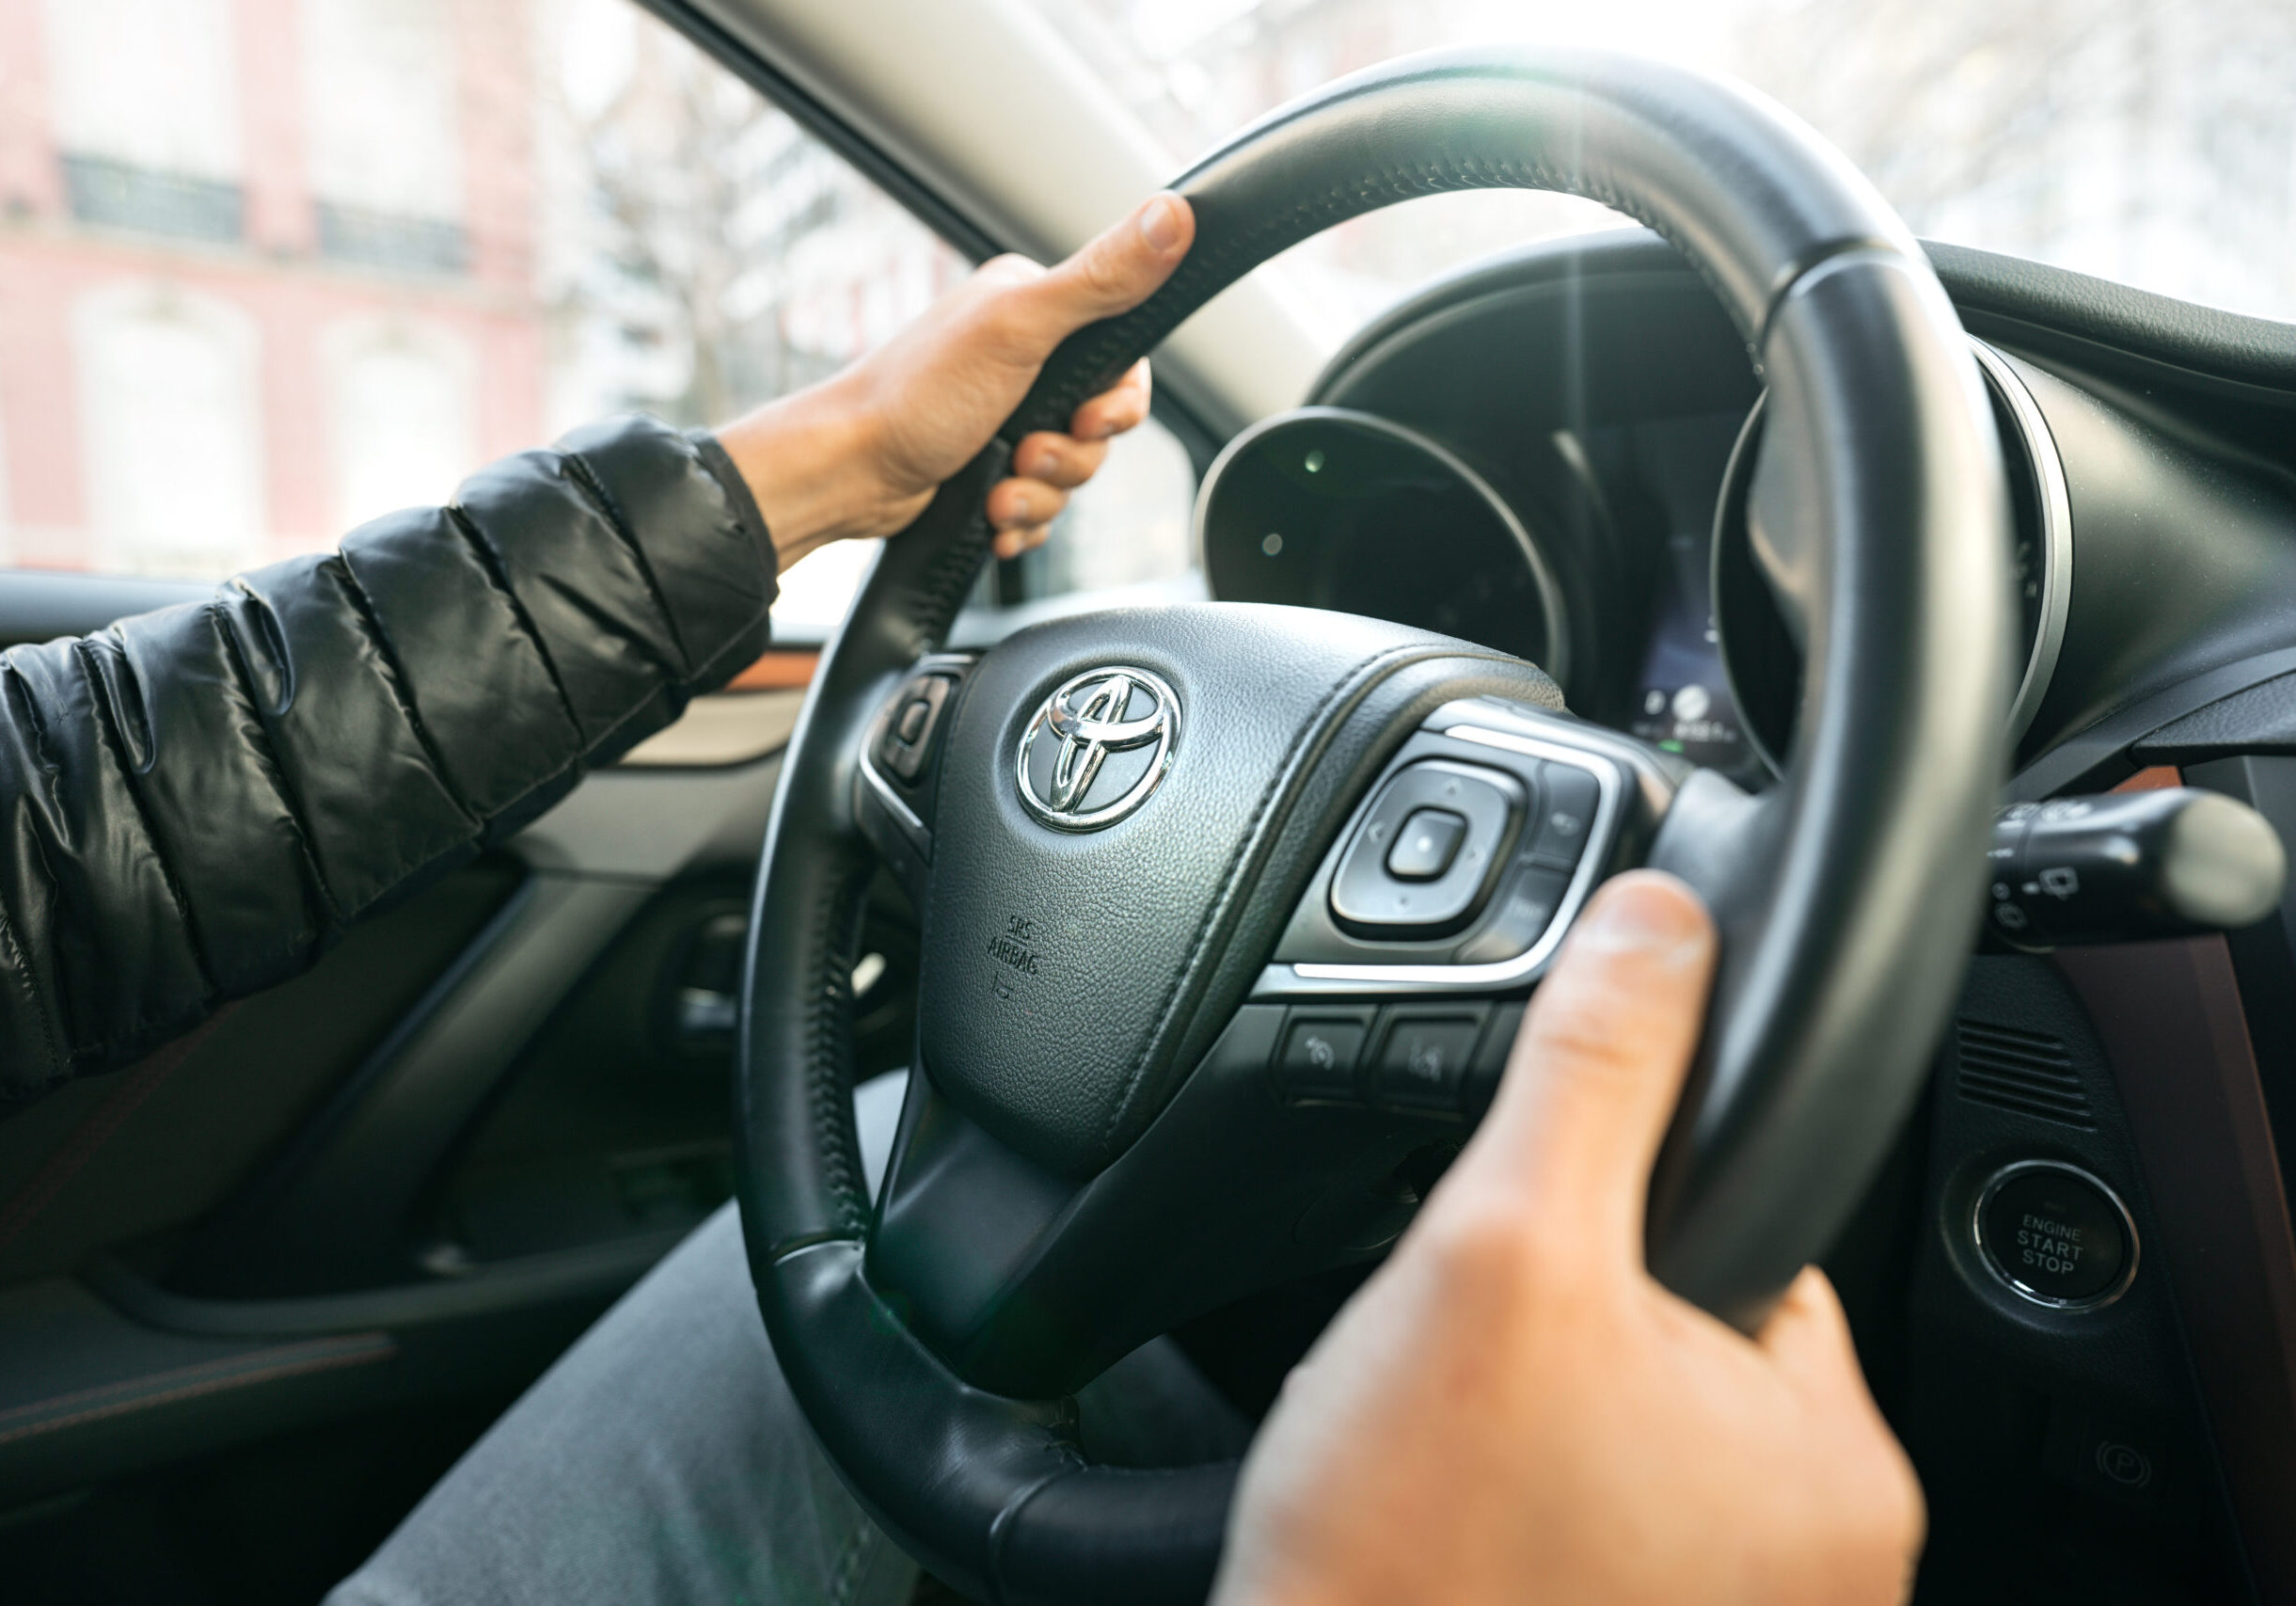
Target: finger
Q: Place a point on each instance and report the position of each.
(1112, 273)
(1012, 543)
(1600, 1061)
(1058, 460)
(1119, 408)
(1016, 504)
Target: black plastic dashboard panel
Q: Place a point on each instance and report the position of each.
(1596, 386)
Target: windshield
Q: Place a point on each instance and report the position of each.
(2149, 141)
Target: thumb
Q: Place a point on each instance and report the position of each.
(1112, 272)
(1600, 1062)
(1808, 1335)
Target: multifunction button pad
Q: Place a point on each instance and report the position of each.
(916, 719)
(1423, 856)
(892, 787)
(1437, 1059)
(1467, 852)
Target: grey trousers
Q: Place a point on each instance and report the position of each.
(663, 1461)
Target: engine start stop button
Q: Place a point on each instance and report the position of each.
(2055, 1234)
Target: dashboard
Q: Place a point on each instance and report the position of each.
(1557, 454)
(1608, 534)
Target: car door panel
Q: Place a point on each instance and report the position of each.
(239, 1236)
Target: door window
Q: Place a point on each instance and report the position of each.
(272, 268)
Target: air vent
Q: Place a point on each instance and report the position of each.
(2026, 1072)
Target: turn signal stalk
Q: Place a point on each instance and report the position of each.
(2131, 866)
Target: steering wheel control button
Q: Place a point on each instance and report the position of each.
(1427, 844)
(1566, 814)
(1519, 915)
(902, 750)
(1320, 1053)
(1370, 895)
(1098, 747)
(1423, 1058)
(2055, 1234)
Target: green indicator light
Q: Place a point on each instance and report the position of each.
(1670, 745)
(1315, 461)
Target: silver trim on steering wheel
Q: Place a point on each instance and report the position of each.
(1533, 960)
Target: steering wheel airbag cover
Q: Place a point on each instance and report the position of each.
(1063, 971)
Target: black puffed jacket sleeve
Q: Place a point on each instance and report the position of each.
(195, 802)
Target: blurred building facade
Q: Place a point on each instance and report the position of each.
(271, 267)
(263, 269)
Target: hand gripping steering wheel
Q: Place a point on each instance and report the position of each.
(1217, 900)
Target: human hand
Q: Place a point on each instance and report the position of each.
(1513, 1409)
(861, 453)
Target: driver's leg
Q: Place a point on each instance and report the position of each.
(662, 1459)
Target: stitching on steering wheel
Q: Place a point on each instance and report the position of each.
(929, 609)
(828, 1037)
(932, 606)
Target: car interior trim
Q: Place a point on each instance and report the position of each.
(329, 1212)
(2033, 446)
(2039, 448)
(2171, 1020)
(2112, 749)
(722, 729)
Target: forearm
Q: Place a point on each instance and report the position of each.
(195, 803)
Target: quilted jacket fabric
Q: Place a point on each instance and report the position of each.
(195, 802)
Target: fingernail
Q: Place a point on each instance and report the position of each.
(1640, 913)
(1019, 509)
(1159, 223)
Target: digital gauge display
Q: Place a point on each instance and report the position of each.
(1682, 701)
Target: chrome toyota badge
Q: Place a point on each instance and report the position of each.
(1098, 747)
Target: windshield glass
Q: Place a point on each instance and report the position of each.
(2149, 141)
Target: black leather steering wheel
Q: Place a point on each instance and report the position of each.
(1137, 839)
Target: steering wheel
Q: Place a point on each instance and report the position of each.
(1228, 911)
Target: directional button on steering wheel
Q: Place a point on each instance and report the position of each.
(1426, 846)
(1423, 856)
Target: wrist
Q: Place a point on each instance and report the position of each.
(813, 464)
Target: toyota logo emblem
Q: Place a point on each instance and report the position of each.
(1098, 747)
